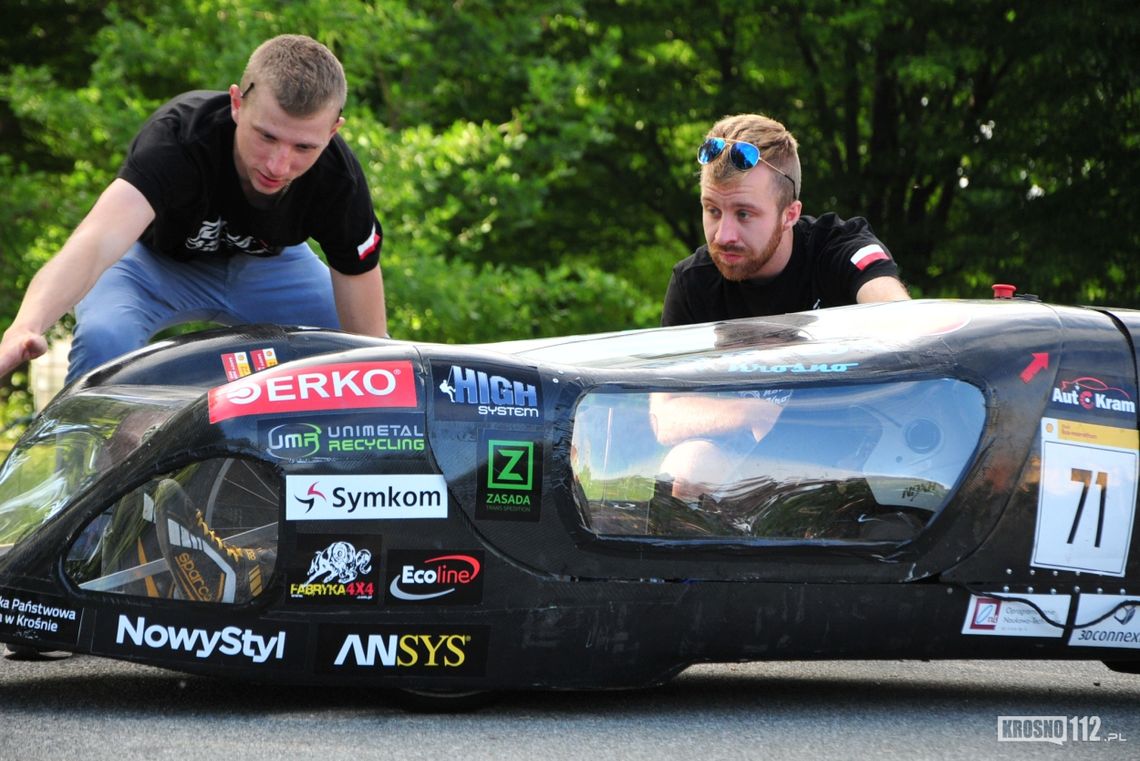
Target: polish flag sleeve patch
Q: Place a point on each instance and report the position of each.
(868, 255)
(369, 245)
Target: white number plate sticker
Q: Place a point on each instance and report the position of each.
(1088, 497)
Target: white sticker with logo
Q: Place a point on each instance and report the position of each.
(365, 497)
(1117, 624)
(1087, 499)
(1005, 617)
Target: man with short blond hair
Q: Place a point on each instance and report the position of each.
(209, 218)
(762, 255)
(301, 72)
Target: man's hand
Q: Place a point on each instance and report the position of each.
(18, 346)
(113, 224)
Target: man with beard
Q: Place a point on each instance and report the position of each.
(763, 257)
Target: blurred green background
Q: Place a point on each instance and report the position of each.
(533, 162)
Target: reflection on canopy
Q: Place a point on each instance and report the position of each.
(869, 462)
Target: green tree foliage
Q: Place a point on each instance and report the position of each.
(533, 162)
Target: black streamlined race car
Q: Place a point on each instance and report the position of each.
(927, 479)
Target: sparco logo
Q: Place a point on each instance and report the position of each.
(452, 578)
(230, 641)
(1094, 395)
(489, 394)
(322, 387)
(349, 497)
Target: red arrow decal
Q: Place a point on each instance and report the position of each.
(1039, 363)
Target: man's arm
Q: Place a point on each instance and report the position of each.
(114, 223)
(675, 311)
(360, 302)
(882, 289)
(676, 417)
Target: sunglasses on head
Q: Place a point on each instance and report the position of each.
(743, 156)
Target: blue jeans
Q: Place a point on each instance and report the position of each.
(145, 293)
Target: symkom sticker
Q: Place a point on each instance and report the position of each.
(365, 497)
(1087, 500)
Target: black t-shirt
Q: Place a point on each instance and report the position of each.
(182, 162)
(831, 260)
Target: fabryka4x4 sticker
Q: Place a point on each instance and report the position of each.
(335, 570)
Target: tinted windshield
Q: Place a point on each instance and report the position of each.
(75, 438)
(862, 462)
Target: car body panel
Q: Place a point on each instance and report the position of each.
(444, 517)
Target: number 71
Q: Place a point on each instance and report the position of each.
(1085, 478)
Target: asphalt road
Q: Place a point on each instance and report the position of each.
(83, 707)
